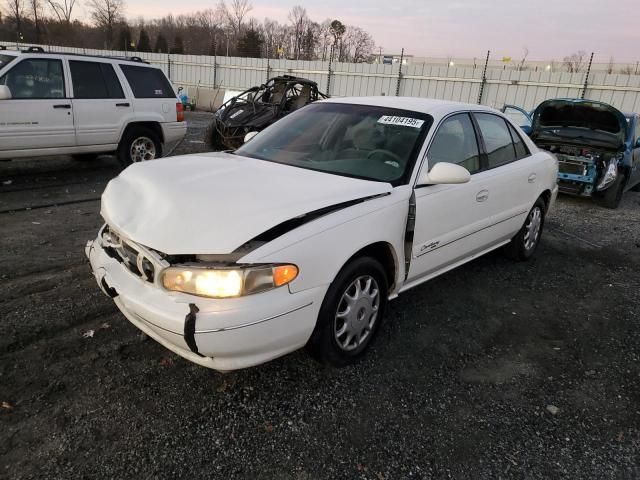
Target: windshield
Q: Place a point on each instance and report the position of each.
(361, 141)
(5, 59)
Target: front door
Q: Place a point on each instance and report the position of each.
(39, 113)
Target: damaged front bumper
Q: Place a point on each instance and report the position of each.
(222, 334)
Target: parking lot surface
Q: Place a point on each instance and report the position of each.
(494, 370)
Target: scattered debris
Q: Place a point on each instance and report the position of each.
(552, 409)
(88, 334)
(7, 182)
(36, 223)
(268, 427)
(7, 406)
(105, 326)
(166, 362)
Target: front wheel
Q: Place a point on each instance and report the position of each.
(351, 313)
(524, 244)
(139, 145)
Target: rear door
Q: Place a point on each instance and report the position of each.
(99, 103)
(40, 113)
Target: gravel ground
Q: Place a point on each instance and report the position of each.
(494, 370)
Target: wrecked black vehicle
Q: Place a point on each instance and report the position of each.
(597, 146)
(257, 108)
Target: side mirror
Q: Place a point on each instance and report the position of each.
(444, 173)
(526, 129)
(5, 93)
(249, 136)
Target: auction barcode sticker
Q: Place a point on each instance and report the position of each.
(403, 121)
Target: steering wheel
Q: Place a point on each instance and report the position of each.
(387, 153)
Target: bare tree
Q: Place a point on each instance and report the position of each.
(235, 13)
(575, 62)
(16, 10)
(611, 65)
(62, 9)
(35, 6)
(359, 45)
(337, 30)
(106, 14)
(298, 19)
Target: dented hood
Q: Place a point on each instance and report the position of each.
(213, 203)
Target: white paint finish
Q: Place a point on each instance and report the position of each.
(213, 203)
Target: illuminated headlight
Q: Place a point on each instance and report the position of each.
(610, 175)
(227, 282)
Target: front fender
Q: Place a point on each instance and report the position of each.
(322, 247)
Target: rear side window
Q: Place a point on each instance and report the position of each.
(521, 149)
(497, 139)
(35, 78)
(147, 82)
(455, 142)
(94, 80)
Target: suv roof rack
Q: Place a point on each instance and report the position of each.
(34, 50)
(112, 57)
(3, 47)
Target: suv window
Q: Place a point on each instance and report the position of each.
(147, 82)
(94, 80)
(35, 78)
(455, 142)
(497, 139)
(5, 59)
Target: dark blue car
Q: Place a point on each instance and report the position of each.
(597, 146)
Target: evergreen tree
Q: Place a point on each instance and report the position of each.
(250, 44)
(125, 42)
(161, 44)
(178, 45)
(144, 44)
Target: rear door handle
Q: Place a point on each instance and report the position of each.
(123, 105)
(63, 105)
(532, 178)
(482, 195)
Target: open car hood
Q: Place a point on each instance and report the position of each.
(579, 122)
(214, 203)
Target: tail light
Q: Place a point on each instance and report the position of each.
(179, 112)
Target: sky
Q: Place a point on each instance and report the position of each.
(550, 29)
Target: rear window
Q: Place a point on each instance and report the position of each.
(147, 82)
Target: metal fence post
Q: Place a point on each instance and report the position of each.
(484, 77)
(329, 72)
(586, 77)
(169, 66)
(399, 73)
(268, 70)
(215, 71)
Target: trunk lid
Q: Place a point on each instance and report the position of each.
(579, 122)
(213, 203)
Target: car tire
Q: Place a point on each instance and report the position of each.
(139, 144)
(612, 196)
(213, 139)
(353, 307)
(523, 246)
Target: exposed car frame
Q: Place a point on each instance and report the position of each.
(258, 107)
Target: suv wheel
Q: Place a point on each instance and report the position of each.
(351, 313)
(525, 243)
(138, 145)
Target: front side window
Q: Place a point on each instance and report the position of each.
(497, 139)
(35, 78)
(5, 59)
(455, 142)
(361, 141)
(94, 80)
(147, 82)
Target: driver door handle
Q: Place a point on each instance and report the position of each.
(482, 195)
(63, 105)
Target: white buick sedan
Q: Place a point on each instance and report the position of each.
(302, 235)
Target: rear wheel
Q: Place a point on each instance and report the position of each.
(524, 244)
(138, 145)
(612, 196)
(351, 313)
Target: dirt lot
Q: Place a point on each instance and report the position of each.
(494, 370)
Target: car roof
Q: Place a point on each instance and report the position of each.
(422, 105)
(132, 60)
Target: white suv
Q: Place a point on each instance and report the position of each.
(64, 104)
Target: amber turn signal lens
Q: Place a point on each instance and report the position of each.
(283, 274)
(179, 112)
